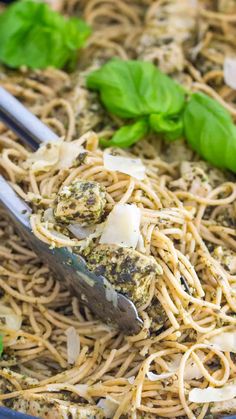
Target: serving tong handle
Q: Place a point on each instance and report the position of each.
(27, 126)
(91, 290)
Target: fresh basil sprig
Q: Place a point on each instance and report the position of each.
(128, 135)
(133, 89)
(170, 127)
(210, 131)
(136, 90)
(33, 35)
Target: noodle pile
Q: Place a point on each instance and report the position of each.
(188, 224)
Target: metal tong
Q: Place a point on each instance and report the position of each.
(66, 266)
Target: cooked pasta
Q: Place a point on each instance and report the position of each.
(187, 232)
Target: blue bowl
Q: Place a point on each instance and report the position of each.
(6, 413)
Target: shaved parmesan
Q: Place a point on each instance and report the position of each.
(122, 226)
(130, 166)
(67, 154)
(191, 371)
(131, 379)
(13, 321)
(230, 72)
(173, 365)
(225, 341)
(82, 388)
(87, 234)
(81, 232)
(211, 394)
(154, 377)
(44, 158)
(73, 345)
(140, 244)
(54, 155)
(9, 318)
(48, 216)
(109, 406)
(52, 387)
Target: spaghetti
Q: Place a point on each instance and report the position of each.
(187, 225)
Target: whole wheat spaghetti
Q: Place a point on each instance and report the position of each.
(187, 227)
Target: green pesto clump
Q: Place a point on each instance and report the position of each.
(157, 315)
(81, 202)
(40, 406)
(129, 271)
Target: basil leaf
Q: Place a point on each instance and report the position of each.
(134, 89)
(33, 35)
(131, 89)
(1, 345)
(210, 131)
(171, 128)
(127, 135)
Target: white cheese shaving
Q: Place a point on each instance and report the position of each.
(11, 320)
(131, 379)
(73, 345)
(191, 371)
(52, 387)
(83, 389)
(211, 394)
(54, 155)
(45, 157)
(154, 377)
(225, 341)
(109, 406)
(81, 232)
(48, 216)
(230, 72)
(130, 166)
(140, 244)
(68, 154)
(86, 234)
(122, 226)
(174, 364)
